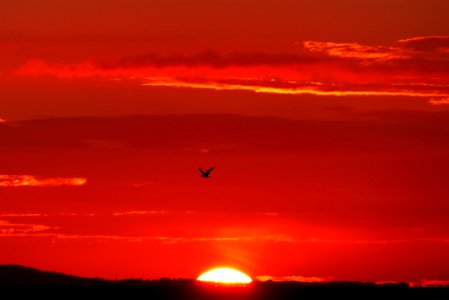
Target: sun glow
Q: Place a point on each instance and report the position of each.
(225, 276)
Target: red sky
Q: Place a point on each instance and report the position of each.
(328, 124)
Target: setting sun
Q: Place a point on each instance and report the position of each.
(225, 276)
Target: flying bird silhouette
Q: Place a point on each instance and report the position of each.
(206, 173)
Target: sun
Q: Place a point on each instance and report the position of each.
(225, 276)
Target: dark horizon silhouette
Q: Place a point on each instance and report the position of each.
(12, 274)
(20, 278)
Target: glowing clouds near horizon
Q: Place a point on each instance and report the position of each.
(415, 67)
(34, 181)
(225, 276)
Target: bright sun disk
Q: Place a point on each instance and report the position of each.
(225, 276)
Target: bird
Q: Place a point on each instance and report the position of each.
(206, 173)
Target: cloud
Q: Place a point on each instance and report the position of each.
(9, 229)
(34, 181)
(125, 213)
(427, 44)
(269, 214)
(295, 278)
(415, 67)
(351, 50)
(23, 215)
(432, 282)
(194, 131)
(442, 101)
(150, 212)
(275, 86)
(34, 230)
(423, 48)
(33, 214)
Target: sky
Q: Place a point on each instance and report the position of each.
(327, 122)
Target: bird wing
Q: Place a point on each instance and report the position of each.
(202, 171)
(210, 170)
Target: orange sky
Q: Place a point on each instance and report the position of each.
(326, 121)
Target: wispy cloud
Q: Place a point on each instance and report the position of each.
(417, 48)
(438, 45)
(276, 86)
(352, 50)
(269, 214)
(35, 181)
(415, 67)
(441, 101)
(35, 231)
(129, 213)
(432, 282)
(295, 278)
(13, 229)
(10, 229)
(150, 212)
(20, 215)
(43, 215)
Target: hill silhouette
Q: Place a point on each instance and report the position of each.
(21, 275)
(23, 279)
